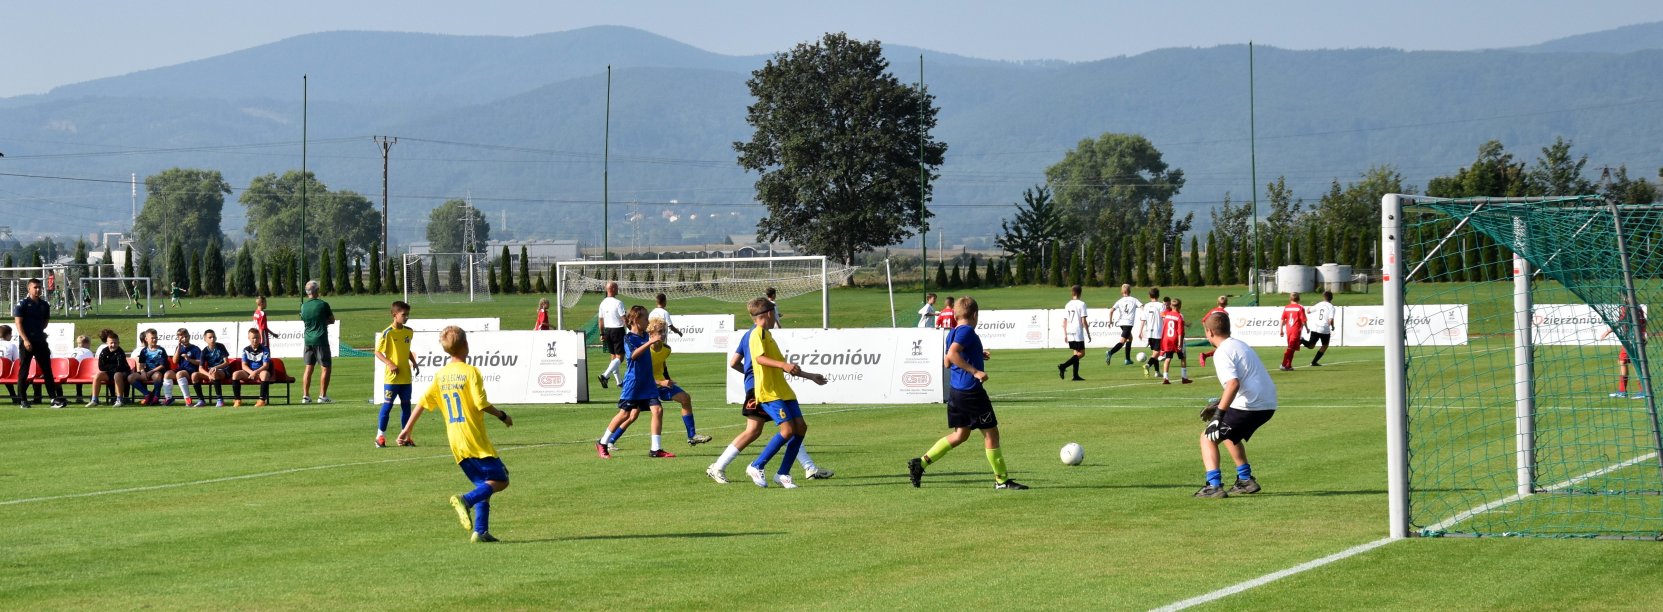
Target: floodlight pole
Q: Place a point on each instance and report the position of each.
(1253, 165)
(606, 161)
(923, 230)
(386, 143)
(303, 181)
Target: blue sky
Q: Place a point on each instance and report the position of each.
(46, 44)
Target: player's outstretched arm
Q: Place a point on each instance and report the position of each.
(410, 425)
(507, 421)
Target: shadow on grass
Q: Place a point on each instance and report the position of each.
(1320, 493)
(648, 536)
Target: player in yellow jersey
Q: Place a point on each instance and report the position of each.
(460, 391)
(775, 397)
(393, 351)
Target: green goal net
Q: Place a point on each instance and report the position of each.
(1523, 423)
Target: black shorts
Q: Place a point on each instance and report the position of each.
(1126, 332)
(970, 409)
(1179, 354)
(1316, 337)
(1244, 422)
(318, 354)
(612, 339)
(637, 404)
(1076, 345)
(1155, 345)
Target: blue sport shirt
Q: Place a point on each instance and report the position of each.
(744, 352)
(256, 357)
(970, 349)
(35, 314)
(638, 380)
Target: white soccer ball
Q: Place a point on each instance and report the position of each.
(1072, 454)
(1140, 356)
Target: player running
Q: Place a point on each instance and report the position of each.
(1293, 324)
(393, 351)
(1149, 322)
(460, 391)
(638, 391)
(1321, 324)
(1248, 402)
(1074, 330)
(1125, 314)
(775, 397)
(610, 317)
(1172, 343)
(740, 361)
(968, 406)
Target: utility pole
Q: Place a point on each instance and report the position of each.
(303, 97)
(1253, 164)
(386, 143)
(606, 161)
(923, 234)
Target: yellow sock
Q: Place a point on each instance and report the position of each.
(941, 447)
(996, 458)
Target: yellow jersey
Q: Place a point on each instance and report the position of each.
(770, 382)
(395, 346)
(458, 392)
(660, 359)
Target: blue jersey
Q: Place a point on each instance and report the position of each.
(214, 355)
(970, 349)
(744, 352)
(638, 379)
(33, 315)
(184, 355)
(256, 357)
(152, 358)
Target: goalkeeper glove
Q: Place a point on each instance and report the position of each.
(1217, 429)
(1210, 412)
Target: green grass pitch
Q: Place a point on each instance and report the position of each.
(292, 507)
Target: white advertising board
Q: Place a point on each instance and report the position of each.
(60, 339)
(467, 325)
(1424, 325)
(1014, 329)
(1255, 325)
(1571, 324)
(519, 367)
(703, 333)
(287, 337)
(863, 366)
(1104, 333)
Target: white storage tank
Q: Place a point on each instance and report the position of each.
(1295, 278)
(1334, 277)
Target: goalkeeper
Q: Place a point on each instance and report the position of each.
(1248, 402)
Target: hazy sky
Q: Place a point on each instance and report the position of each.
(57, 42)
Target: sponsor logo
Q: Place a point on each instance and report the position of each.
(995, 325)
(1036, 336)
(551, 380)
(916, 379)
(847, 357)
(917, 348)
(553, 350)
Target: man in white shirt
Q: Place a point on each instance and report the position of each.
(1124, 314)
(1319, 320)
(1248, 402)
(1075, 331)
(1149, 321)
(8, 351)
(663, 314)
(611, 317)
(926, 315)
(773, 306)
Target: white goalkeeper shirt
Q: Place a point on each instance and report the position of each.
(1234, 360)
(1152, 318)
(1074, 320)
(1126, 311)
(612, 312)
(1319, 318)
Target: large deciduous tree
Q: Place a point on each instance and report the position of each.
(181, 205)
(274, 216)
(1118, 184)
(837, 144)
(446, 228)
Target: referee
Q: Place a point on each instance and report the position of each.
(611, 318)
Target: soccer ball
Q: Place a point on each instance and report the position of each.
(1072, 454)
(1140, 356)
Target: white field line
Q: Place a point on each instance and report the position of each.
(1363, 548)
(314, 468)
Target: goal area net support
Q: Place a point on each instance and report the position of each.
(733, 280)
(447, 278)
(1543, 421)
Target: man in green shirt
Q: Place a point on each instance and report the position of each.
(317, 316)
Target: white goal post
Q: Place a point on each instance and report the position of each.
(727, 279)
(116, 287)
(447, 277)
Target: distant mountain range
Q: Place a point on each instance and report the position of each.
(517, 124)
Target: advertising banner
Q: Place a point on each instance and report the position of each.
(519, 367)
(1571, 324)
(862, 366)
(467, 325)
(1015, 329)
(1104, 333)
(1425, 325)
(703, 333)
(229, 333)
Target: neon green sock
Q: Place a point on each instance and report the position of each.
(941, 447)
(996, 458)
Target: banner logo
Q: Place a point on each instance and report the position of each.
(551, 380)
(916, 379)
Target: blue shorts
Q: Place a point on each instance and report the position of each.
(399, 392)
(482, 469)
(666, 394)
(782, 411)
(638, 404)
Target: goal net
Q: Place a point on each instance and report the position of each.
(1530, 426)
(733, 280)
(107, 295)
(448, 277)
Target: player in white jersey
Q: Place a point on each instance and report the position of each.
(1075, 331)
(926, 315)
(1319, 319)
(1124, 314)
(663, 314)
(1149, 327)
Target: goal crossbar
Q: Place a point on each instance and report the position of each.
(811, 269)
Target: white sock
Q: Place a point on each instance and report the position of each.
(803, 458)
(657, 441)
(380, 432)
(1184, 372)
(167, 388)
(606, 436)
(611, 368)
(728, 455)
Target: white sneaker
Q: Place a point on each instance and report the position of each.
(219, 403)
(198, 404)
(785, 481)
(757, 476)
(324, 399)
(118, 403)
(305, 400)
(93, 403)
(716, 474)
(819, 473)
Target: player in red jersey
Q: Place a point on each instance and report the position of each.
(1623, 358)
(1223, 301)
(1293, 324)
(542, 315)
(260, 321)
(946, 319)
(1172, 343)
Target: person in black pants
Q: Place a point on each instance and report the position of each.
(31, 315)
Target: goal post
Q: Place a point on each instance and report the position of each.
(1542, 419)
(447, 277)
(122, 289)
(725, 279)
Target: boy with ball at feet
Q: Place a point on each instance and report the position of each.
(774, 396)
(968, 406)
(1248, 402)
(460, 391)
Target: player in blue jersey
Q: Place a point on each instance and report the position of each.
(740, 361)
(187, 358)
(214, 368)
(638, 391)
(152, 367)
(968, 406)
(256, 367)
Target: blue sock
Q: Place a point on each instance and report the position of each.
(687, 419)
(404, 416)
(767, 454)
(1244, 472)
(386, 409)
(478, 494)
(142, 390)
(615, 435)
(482, 517)
(791, 448)
(1214, 478)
